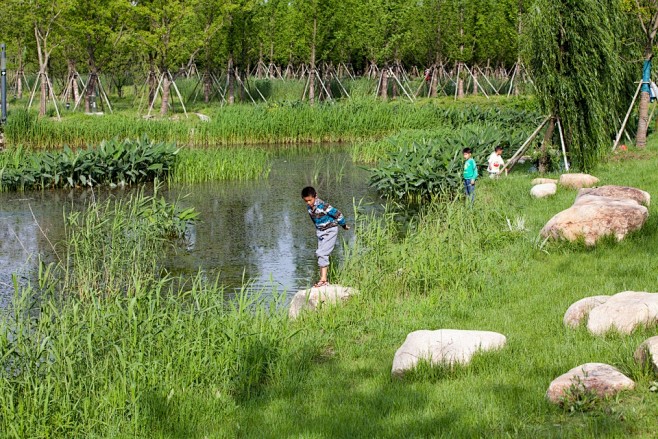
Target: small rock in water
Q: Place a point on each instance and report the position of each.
(600, 379)
(314, 298)
(579, 310)
(647, 353)
(443, 346)
(578, 181)
(543, 190)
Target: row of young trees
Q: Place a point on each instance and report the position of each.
(147, 36)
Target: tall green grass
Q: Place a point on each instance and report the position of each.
(278, 122)
(103, 344)
(215, 164)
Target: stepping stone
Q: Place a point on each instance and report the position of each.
(601, 379)
(579, 310)
(624, 312)
(537, 181)
(543, 190)
(578, 181)
(443, 347)
(314, 298)
(617, 193)
(647, 353)
(593, 217)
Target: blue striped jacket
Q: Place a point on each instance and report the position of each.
(325, 216)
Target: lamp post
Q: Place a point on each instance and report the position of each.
(3, 72)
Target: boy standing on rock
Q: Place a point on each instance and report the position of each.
(470, 174)
(326, 220)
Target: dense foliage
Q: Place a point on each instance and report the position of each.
(432, 167)
(112, 162)
(578, 52)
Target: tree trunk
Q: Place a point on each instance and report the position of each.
(383, 92)
(643, 122)
(548, 140)
(231, 81)
(311, 78)
(91, 91)
(460, 82)
(166, 87)
(434, 85)
(152, 79)
(44, 94)
(475, 83)
(19, 85)
(206, 86)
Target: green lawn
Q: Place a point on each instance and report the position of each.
(465, 270)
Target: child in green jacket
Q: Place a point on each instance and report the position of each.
(470, 174)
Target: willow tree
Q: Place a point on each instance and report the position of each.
(574, 48)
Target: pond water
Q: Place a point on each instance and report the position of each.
(256, 231)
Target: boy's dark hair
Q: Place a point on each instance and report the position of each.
(498, 148)
(467, 151)
(309, 191)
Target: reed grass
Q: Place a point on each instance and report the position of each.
(273, 123)
(215, 164)
(103, 345)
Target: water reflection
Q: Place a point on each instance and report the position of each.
(256, 230)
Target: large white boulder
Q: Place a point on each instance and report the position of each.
(443, 347)
(616, 193)
(624, 312)
(543, 190)
(647, 353)
(593, 217)
(579, 310)
(600, 379)
(314, 298)
(577, 181)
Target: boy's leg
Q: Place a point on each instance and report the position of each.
(326, 244)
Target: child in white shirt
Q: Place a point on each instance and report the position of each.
(496, 162)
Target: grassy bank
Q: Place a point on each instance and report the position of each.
(274, 123)
(468, 270)
(152, 358)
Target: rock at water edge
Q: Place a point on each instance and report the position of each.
(601, 379)
(443, 346)
(313, 298)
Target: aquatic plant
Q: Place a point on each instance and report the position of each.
(216, 164)
(112, 162)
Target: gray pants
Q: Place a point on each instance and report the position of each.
(326, 244)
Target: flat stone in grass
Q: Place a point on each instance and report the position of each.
(593, 217)
(579, 310)
(314, 298)
(601, 379)
(443, 347)
(617, 193)
(543, 190)
(537, 181)
(647, 353)
(624, 312)
(577, 181)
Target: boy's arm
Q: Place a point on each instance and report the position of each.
(336, 214)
